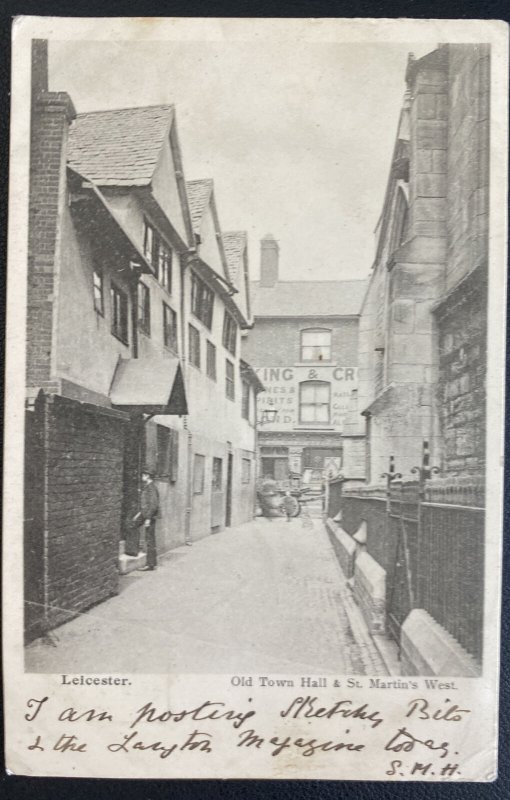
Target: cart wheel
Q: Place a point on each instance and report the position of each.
(295, 508)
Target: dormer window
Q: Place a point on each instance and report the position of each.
(158, 255)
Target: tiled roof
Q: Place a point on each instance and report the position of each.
(198, 196)
(234, 244)
(119, 147)
(308, 298)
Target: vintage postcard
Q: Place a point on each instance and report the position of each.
(255, 384)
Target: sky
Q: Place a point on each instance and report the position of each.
(298, 137)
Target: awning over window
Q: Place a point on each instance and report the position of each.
(151, 385)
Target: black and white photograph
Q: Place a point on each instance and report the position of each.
(257, 400)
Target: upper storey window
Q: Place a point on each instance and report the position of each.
(400, 229)
(314, 401)
(165, 267)
(229, 333)
(149, 244)
(119, 312)
(159, 255)
(202, 300)
(98, 286)
(316, 345)
(144, 308)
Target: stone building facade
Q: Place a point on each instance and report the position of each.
(135, 311)
(419, 519)
(422, 326)
(304, 350)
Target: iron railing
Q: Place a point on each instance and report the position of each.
(430, 540)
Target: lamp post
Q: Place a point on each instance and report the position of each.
(267, 415)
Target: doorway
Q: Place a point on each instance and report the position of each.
(276, 468)
(228, 511)
(217, 497)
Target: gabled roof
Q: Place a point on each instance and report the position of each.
(308, 298)
(119, 147)
(234, 244)
(199, 193)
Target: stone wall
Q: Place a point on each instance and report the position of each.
(468, 159)
(462, 322)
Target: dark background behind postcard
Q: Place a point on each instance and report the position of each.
(17, 788)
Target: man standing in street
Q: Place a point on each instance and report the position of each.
(149, 506)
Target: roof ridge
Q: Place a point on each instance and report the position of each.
(332, 280)
(125, 108)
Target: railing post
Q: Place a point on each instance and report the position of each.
(424, 473)
(390, 476)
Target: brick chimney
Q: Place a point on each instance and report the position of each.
(39, 74)
(52, 113)
(269, 253)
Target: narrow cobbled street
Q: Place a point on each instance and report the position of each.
(266, 597)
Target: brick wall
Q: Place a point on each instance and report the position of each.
(51, 114)
(277, 342)
(82, 469)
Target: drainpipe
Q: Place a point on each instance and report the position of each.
(256, 460)
(184, 260)
(136, 271)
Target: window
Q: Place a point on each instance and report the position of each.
(167, 453)
(245, 470)
(202, 300)
(229, 333)
(158, 255)
(316, 345)
(165, 267)
(198, 474)
(400, 228)
(169, 327)
(217, 475)
(230, 389)
(245, 403)
(149, 244)
(97, 282)
(211, 361)
(314, 400)
(144, 308)
(119, 314)
(194, 346)
(275, 463)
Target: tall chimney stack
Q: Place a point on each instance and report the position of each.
(39, 67)
(269, 253)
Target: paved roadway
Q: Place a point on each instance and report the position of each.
(264, 597)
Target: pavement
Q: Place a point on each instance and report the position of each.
(266, 596)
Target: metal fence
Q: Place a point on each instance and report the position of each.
(433, 552)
